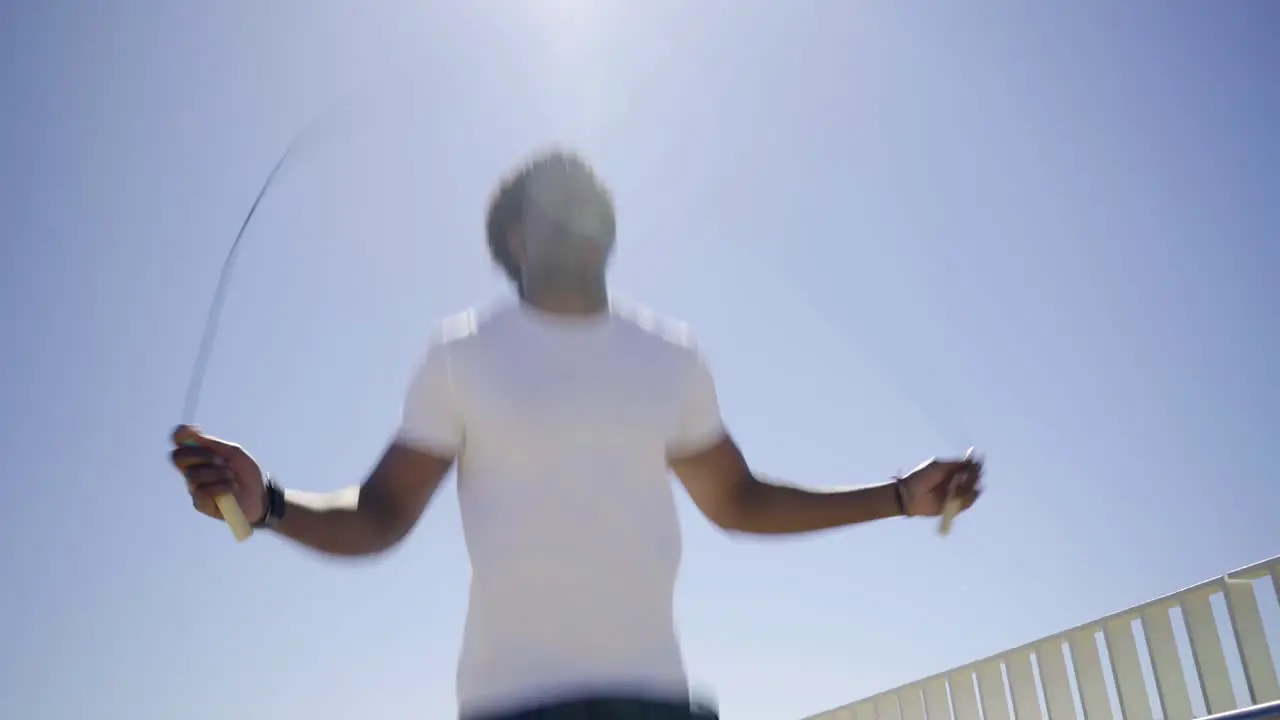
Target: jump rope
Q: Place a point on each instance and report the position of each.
(227, 504)
(231, 512)
(230, 509)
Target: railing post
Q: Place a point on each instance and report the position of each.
(1206, 650)
(1171, 683)
(1055, 680)
(1022, 685)
(964, 701)
(995, 704)
(1089, 678)
(1251, 640)
(937, 705)
(887, 708)
(1126, 668)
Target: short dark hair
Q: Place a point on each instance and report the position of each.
(506, 206)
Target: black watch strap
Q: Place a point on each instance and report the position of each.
(904, 498)
(275, 506)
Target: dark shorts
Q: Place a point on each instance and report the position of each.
(612, 709)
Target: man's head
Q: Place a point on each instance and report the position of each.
(551, 224)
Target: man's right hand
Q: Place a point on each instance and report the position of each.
(216, 467)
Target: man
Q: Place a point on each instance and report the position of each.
(563, 414)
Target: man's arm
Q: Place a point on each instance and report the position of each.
(720, 482)
(383, 510)
(729, 494)
(374, 517)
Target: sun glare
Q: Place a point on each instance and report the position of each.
(568, 16)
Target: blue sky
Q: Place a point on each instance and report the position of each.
(898, 228)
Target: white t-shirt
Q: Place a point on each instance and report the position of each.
(562, 429)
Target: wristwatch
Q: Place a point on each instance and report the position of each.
(273, 511)
(904, 496)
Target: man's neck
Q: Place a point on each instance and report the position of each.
(568, 302)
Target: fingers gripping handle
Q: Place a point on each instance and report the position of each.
(952, 506)
(232, 514)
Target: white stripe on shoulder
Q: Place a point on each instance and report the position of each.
(457, 327)
(672, 331)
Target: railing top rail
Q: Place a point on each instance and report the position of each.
(1254, 712)
(1248, 572)
(1265, 711)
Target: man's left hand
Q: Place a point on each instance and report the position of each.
(926, 489)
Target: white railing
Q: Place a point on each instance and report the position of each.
(1040, 680)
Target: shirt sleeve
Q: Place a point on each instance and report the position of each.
(701, 425)
(431, 421)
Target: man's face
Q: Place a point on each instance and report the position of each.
(564, 236)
